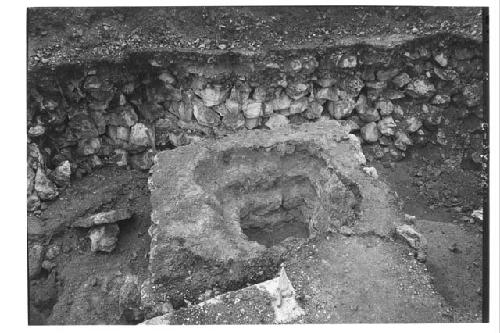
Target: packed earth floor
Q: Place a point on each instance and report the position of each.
(181, 158)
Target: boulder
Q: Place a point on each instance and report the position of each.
(204, 115)
(212, 95)
(167, 77)
(108, 217)
(440, 99)
(441, 59)
(298, 106)
(281, 102)
(420, 88)
(123, 116)
(414, 239)
(103, 238)
(277, 121)
(62, 174)
(371, 171)
(384, 108)
(36, 131)
(259, 94)
(252, 123)
(370, 132)
(253, 109)
(386, 126)
(140, 135)
(341, 108)
(45, 189)
(402, 140)
(413, 124)
(314, 110)
(297, 90)
(328, 93)
(347, 61)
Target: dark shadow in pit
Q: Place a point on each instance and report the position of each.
(274, 235)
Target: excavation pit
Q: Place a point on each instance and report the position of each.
(226, 212)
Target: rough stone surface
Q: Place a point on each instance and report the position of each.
(45, 189)
(370, 132)
(103, 238)
(414, 239)
(386, 126)
(108, 217)
(62, 174)
(35, 258)
(140, 135)
(213, 95)
(277, 121)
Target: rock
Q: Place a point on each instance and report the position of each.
(387, 74)
(370, 132)
(89, 147)
(314, 110)
(233, 121)
(477, 215)
(108, 217)
(326, 82)
(410, 219)
(341, 108)
(329, 94)
(297, 90)
(62, 174)
(414, 239)
(142, 161)
(298, 106)
(212, 95)
(123, 116)
(281, 102)
(259, 94)
(253, 109)
(365, 112)
(36, 131)
(119, 133)
(371, 171)
(432, 122)
(392, 94)
(159, 320)
(30, 179)
(35, 258)
(420, 88)
(45, 189)
(441, 59)
(384, 108)
(166, 77)
(350, 86)
(103, 238)
(204, 115)
(347, 61)
(376, 85)
(413, 124)
(252, 123)
(33, 202)
(268, 109)
(277, 121)
(140, 135)
(445, 74)
(473, 94)
(52, 252)
(401, 80)
(386, 126)
(440, 99)
(402, 140)
(398, 112)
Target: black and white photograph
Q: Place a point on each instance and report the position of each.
(242, 164)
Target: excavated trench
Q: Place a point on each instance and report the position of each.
(234, 221)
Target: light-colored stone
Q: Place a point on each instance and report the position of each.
(341, 108)
(401, 80)
(348, 61)
(386, 126)
(108, 217)
(123, 116)
(212, 95)
(36, 131)
(298, 106)
(252, 123)
(297, 90)
(103, 238)
(384, 108)
(140, 135)
(89, 147)
(204, 115)
(371, 171)
(420, 88)
(253, 109)
(402, 140)
(413, 124)
(329, 94)
(45, 189)
(441, 99)
(414, 239)
(167, 77)
(314, 110)
(62, 174)
(370, 132)
(281, 102)
(441, 59)
(277, 121)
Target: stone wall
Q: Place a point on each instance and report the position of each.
(83, 116)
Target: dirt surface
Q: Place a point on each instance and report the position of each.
(62, 35)
(76, 265)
